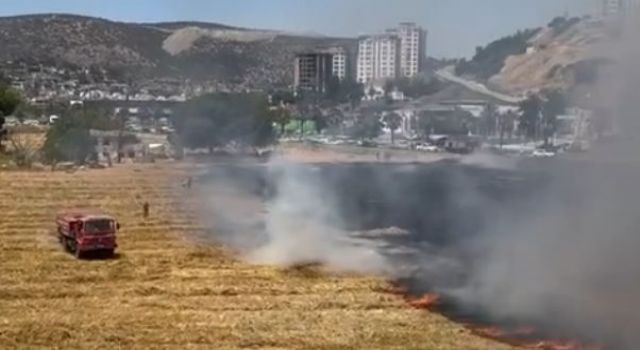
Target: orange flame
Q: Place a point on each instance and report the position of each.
(554, 345)
(489, 332)
(514, 336)
(426, 301)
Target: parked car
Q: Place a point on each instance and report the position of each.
(540, 153)
(427, 148)
(31, 122)
(367, 143)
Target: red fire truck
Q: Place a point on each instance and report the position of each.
(81, 231)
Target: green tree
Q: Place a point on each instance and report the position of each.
(489, 60)
(425, 124)
(307, 109)
(488, 122)
(9, 101)
(372, 92)
(393, 121)
(281, 116)
(334, 118)
(344, 91)
(320, 120)
(69, 139)
(506, 123)
(554, 105)
(217, 120)
(389, 86)
(366, 126)
(531, 110)
(353, 91)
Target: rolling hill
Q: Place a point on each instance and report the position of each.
(564, 54)
(186, 50)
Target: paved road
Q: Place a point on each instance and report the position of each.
(447, 74)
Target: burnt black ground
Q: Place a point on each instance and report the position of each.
(446, 207)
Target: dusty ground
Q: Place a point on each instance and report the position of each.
(166, 291)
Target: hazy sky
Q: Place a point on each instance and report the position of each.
(455, 27)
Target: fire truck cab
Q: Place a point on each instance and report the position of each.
(82, 232)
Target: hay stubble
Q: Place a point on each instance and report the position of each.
(167, 291)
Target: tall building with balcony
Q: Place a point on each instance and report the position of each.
(613, 8)
(313, 71)
(378, 58)
(413, 48)
(340, 63)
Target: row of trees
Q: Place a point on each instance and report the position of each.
(217, 120)
(539, 115)
(9, 102)
(70, 139)
(489, 60)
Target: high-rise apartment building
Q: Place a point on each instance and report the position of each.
(612, 8)
(401, 52)
(378, 58)
(340, 62)
(313, 71)
(413, 42)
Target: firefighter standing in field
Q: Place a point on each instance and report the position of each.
(145, 206)
(145, 210)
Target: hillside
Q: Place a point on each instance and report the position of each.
(557, 57)
(563, 54)
(185, 50)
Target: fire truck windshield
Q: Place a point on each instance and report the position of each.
(98, 226)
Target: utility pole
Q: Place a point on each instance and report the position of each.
(120, 119)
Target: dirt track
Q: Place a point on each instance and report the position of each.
(166, 291)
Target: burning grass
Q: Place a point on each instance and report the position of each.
(166, 291)
(525, 337)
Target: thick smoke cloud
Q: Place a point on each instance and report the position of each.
(550, 243)
(304, 226)
(570, 261)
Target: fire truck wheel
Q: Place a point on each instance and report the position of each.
(78, 253)
(66, 244)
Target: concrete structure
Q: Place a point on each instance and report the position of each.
(413, 48)
(378, 58)
(312, 72)
(340, 63)
(613, 8)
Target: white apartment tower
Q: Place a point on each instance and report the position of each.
(612, 8)
(339, 63)
(413, 42)
(378, 58)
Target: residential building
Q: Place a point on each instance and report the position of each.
(378, 58)
(340, 63)
(612, 8)
(313, 71)
(413, 48)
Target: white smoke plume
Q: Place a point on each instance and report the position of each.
(303, 225)
(569, 260)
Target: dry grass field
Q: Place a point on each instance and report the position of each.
(165, 290)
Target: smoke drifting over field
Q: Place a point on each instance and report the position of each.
(304, 227)
(570, 261)
(552, 244)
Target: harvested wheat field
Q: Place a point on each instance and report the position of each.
(164, 290)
